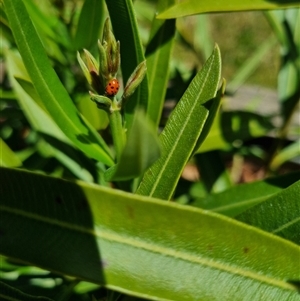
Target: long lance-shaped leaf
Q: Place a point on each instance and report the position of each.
(139, 245)
(158, 55)
(89, 24)
(52, 93)
(182, 131)
(283, 214)
(192, 7)
(126, 31)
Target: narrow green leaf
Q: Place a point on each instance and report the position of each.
(7, 157)
(286, 154)
(52, 93)
(140, 152)
(158, 55)
(244, 196)
(192, 7)
(279, 214)
(139, 245)
(89, 25)
(11, 294)
(182, 131)
(126, 31)
(29, 100)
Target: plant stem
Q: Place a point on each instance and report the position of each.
(117, 130)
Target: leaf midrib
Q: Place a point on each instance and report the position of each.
(129, 241)
(170, 154)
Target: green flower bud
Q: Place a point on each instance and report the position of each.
(112, 51)
(102, 102)
(104, 71)
(90, 69)
(134, 80)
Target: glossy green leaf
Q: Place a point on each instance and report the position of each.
(279, 214)
(244, 196)
(11, 294)
(192, 7)
(139, 245)
(52, 93)
(140, 152)
(89, 25)
(132, 54)
(29, 100)
(158, 55)
(180, 136)
(7, 157)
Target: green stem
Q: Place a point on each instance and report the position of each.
(117, 130)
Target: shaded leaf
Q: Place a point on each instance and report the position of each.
(145, 247)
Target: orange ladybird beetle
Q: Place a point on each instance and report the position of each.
(112, 87)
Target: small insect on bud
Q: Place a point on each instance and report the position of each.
(112, 87)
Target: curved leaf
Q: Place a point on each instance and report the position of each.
(192, 7)
(52, 93)
(142, 246)
(184, 128)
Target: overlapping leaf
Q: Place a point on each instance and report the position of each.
(181, 134)
(140, 245)
(52, 93)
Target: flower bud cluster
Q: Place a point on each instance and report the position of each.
(101, 75)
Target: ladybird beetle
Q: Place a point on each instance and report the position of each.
(112, 87)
